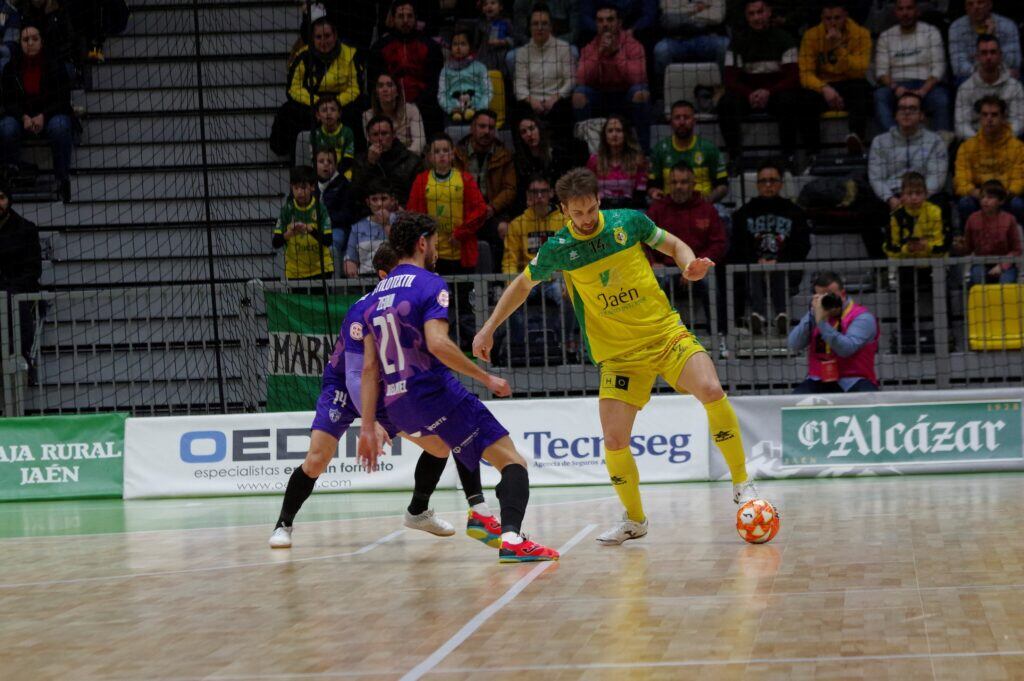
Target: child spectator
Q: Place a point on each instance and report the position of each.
(452, 198)
(465, 86)
(333, 134)
(304, 229)
(498, 32)
(991, 231)
(620, 166)
(333, 190)
(388, 100)
(916, 231)
(369, 233)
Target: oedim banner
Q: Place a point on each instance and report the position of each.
(61, 457)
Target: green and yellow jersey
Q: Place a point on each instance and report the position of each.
(304, 255)
(700, 154)
(618, 303)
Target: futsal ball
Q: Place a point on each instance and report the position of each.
(757, 521)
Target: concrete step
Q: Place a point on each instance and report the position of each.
(227, 73)
(178, 184)
(157, 364)
(263, 42)
(160, 243)
(148, 156)
(145, 398)
(161, 270)
(160, 21)
(137, 213)
(150, 302)
(176, 127)
(186, 100)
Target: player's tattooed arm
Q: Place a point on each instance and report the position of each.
(693, 268)
(370, 445)
(512, 298)
(441, 346)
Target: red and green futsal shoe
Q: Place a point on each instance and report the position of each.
(525, 552)
(485, 528)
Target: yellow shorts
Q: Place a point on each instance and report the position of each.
(630, 377)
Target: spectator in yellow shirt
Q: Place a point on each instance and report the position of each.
(993, 154)
(916, 230)
(526, 234)
(834, 58)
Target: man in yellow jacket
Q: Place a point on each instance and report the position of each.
(327, 68)
(993, 154)
(834, 58)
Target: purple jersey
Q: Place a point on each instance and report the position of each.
(418, 388)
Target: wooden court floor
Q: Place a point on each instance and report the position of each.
(888, 578)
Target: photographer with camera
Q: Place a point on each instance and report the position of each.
(842, 341)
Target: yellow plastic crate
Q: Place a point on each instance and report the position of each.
(994, 316)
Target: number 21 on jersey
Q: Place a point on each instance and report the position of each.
(388, 332)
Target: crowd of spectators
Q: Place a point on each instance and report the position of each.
(529, 90)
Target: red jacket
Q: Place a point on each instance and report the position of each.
(414, 61)
(474, 211)
(612, 73)
(696, 222)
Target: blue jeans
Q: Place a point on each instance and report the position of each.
(57, 129)
(979, 274)
(601, 103)
(968, 204)
(936, 105)
(701, 48)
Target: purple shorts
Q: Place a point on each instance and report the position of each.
(335, 412)
(468, 429)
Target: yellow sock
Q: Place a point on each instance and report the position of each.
(626, 481)
(725, 431)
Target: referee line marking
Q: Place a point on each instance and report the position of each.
(470, 627)
(213, 568)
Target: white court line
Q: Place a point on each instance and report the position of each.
(602, 666)
(369, 547)
(472, 625)
(93, 535)
(729, 663)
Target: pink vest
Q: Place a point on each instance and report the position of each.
(860, 364)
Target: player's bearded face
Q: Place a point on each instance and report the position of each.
(430, 254)
(583, 211)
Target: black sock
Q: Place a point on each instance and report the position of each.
(428, 472)
(471, 484)
(300, 486)
(513, 494)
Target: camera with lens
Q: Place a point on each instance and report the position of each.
(831, 301)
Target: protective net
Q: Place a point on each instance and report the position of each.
(182, 274)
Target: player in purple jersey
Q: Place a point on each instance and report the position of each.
(337, 409)
(407, 343)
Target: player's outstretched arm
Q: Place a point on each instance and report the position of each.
(693, 268)
(370, 445)
(442, 347)
(512, 298)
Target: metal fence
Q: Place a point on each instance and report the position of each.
(134, 349)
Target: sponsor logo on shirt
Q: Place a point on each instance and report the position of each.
(386, 301)
(573, 255)
(395, 389)
(617, 300)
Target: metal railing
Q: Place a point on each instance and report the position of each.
(135, 348)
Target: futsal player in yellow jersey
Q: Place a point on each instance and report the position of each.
(632, 332)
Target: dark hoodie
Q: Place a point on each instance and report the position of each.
(770, 229)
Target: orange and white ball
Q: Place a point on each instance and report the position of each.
(757, 521)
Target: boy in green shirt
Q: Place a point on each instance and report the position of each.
(304, 229)
(332, 134)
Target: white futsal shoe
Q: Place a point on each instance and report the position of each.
(624, 531)
(744, 492)
(282, 538)
(428, 522)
